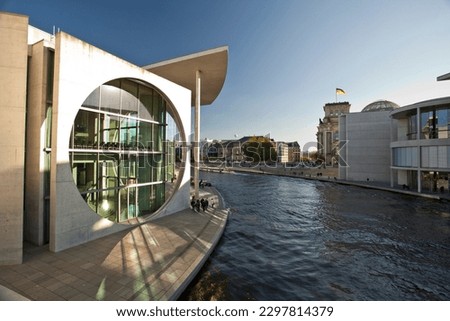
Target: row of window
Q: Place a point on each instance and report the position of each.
(93, 130)
(430, 157)
(434, 124)
(126, 203)
(127, 97)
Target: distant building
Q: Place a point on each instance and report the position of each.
(288, 152)
(364, 139)
(328, 132)
(294, 152)
(232, 150)
(282, 152)
(223, 150)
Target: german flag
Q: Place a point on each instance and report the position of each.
(340, 91)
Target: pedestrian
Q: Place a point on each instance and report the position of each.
(193, 202)
(197, 205)
(202, 202)
(205, 205)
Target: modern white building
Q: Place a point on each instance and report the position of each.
(421, 146)
(91, 143)
(364, 139)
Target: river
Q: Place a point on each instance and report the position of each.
(302, 240)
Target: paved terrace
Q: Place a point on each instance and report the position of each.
(154, 261)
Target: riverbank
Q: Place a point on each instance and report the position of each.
(321, 174)
(153, 261)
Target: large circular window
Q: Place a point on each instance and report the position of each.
(123, 152)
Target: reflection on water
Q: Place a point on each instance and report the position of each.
(292, 239)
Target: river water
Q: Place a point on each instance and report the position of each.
(295, 239)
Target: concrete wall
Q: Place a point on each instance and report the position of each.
(35, 143)
(402, 177)
(342, 153)
(368, 137)
(402, 130)
(79, 69)
(13, 77)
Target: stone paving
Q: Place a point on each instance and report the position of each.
(153, 261)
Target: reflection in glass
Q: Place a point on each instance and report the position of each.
(110, 97)
(412, 127)
(118, 151)
(435, 123)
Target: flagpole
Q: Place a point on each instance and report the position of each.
(340, 92)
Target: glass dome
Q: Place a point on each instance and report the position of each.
(380, 105)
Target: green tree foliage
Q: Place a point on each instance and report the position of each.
(258, 151)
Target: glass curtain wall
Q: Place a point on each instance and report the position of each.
(412, 127)
(117, 150)
(435, 123)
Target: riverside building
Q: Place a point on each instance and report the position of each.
(364, 139)
(421, 146)
(92, 144)
(328, 132)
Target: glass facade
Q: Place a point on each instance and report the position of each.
(435, 156)
(118, 150)
(435, 123)
(405, 157)
(430, 127)
(435, 182)
(412, 126)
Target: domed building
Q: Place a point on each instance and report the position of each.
(380, 105)
(364, 139)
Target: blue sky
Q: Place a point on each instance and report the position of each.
(286, 57)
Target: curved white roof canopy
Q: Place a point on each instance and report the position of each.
(444, 77)
(211, 63)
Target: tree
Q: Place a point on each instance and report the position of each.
(259, 151)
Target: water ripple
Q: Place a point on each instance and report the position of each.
(291, 239)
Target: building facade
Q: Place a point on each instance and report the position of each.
(248, 148)
(282, 152)
(95, 144)
(328, 132)
(13, 80)
(288, 153)
(421, 146)
(294, 153)
(223, 151)
(364, 139)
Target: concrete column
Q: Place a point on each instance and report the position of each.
(198, 82)
(419, 152)
(13, 84)
(419, 181)
(391, 171)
